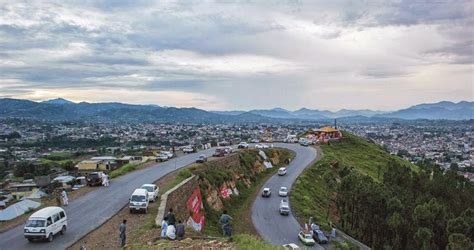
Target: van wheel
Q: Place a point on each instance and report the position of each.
(50, 237)
(63, 230)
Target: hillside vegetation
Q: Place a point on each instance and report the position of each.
(384, 201)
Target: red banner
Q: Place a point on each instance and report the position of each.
(195, 208)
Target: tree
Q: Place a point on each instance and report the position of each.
(423, 236)
(459, 242)
(454, 166)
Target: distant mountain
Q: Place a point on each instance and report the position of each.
(58, 101)
(274, 113)
(435, 111)
(59, 110)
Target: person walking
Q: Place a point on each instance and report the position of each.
(105, 180)
(225, 223)
(164, 227)
(64, 197)
(171, 218)
(180, 230)
(123, 236)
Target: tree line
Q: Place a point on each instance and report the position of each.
(425, 209)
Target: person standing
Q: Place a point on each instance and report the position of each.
(123, 236)
(171, 218)
(225, 223)
(64, 197)
(180, 230)
(333, 232)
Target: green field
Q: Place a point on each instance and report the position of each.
(314, 192)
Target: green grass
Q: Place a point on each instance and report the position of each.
(129, 167)
(250, 242)
(314, 191)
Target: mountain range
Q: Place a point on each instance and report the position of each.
(64, 110)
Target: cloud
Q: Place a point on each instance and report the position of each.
(237, 54)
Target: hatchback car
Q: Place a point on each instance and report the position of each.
(281, 171)
(283, 192)
(201, 159)
(319, 236)
(266, 192)
(152, 190)
(306, 238)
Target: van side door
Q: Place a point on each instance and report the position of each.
(56, 223)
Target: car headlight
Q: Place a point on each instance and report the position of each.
(26, 230)
(42, 231)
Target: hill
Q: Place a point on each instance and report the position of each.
(384, 201)
(435, 111)
(63, 110)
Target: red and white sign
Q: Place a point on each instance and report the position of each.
(195, 208)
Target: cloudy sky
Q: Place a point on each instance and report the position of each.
(332, 54)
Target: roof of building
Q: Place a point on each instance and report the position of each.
(327, 130)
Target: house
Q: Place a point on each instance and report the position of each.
(103, 163)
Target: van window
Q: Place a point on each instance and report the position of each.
(49, 221)
(55, 217)
(61, 214)
(138, 198)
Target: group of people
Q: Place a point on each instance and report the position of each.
(105, 180)
(169, 229)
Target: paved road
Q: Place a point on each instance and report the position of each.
(91, 210)
(272, 226)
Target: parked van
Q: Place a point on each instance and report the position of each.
(45, 223)
(139, 200)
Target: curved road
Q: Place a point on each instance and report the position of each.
(94, 208)
(266, 218)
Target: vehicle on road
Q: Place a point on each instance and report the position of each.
(169, 154)
(290, 246)
(306, 238)
(45, 223)
(319, 236)
(282, 171)
(201, 159)
(266, 192)
(152, 190)
(94, 178)
(284, 207)
(283, 192)
(189, 149)
(220, 151)
(261, 146)
(243, 145)
(255, 140)
(162, 157)
(139, 201)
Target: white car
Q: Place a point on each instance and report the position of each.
(188, 150)
(168, 153)
(162, 157)
(283, 192)
(243, 145)
(281, 171)
(152, 190)
(284, 207)
(139, 201)
(261, 146)
(291, 246)
(45, 223)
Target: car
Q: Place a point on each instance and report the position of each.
(139, 201)
(261, 146)
(306, 239)
(162, 157)
(283, 192)
(304, 143)
(45, 223)
(319, 236)
(219, 152)
(290, 246)
(243, 145)
(266, 192)
(284, 207)
(201, 159)
(189, 150)
(282, 171)
(255, 140)
(94, 178)
(168, 153)
(152, 190)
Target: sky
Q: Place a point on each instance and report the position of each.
(239, 55)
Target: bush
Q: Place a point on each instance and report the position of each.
(123, 170)
(245, 241)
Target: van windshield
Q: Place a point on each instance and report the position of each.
(138, 198)
(35, 223)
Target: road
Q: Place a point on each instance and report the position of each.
(94, 208)
(273, 227)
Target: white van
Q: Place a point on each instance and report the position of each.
(139, 200)
(45, 223)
